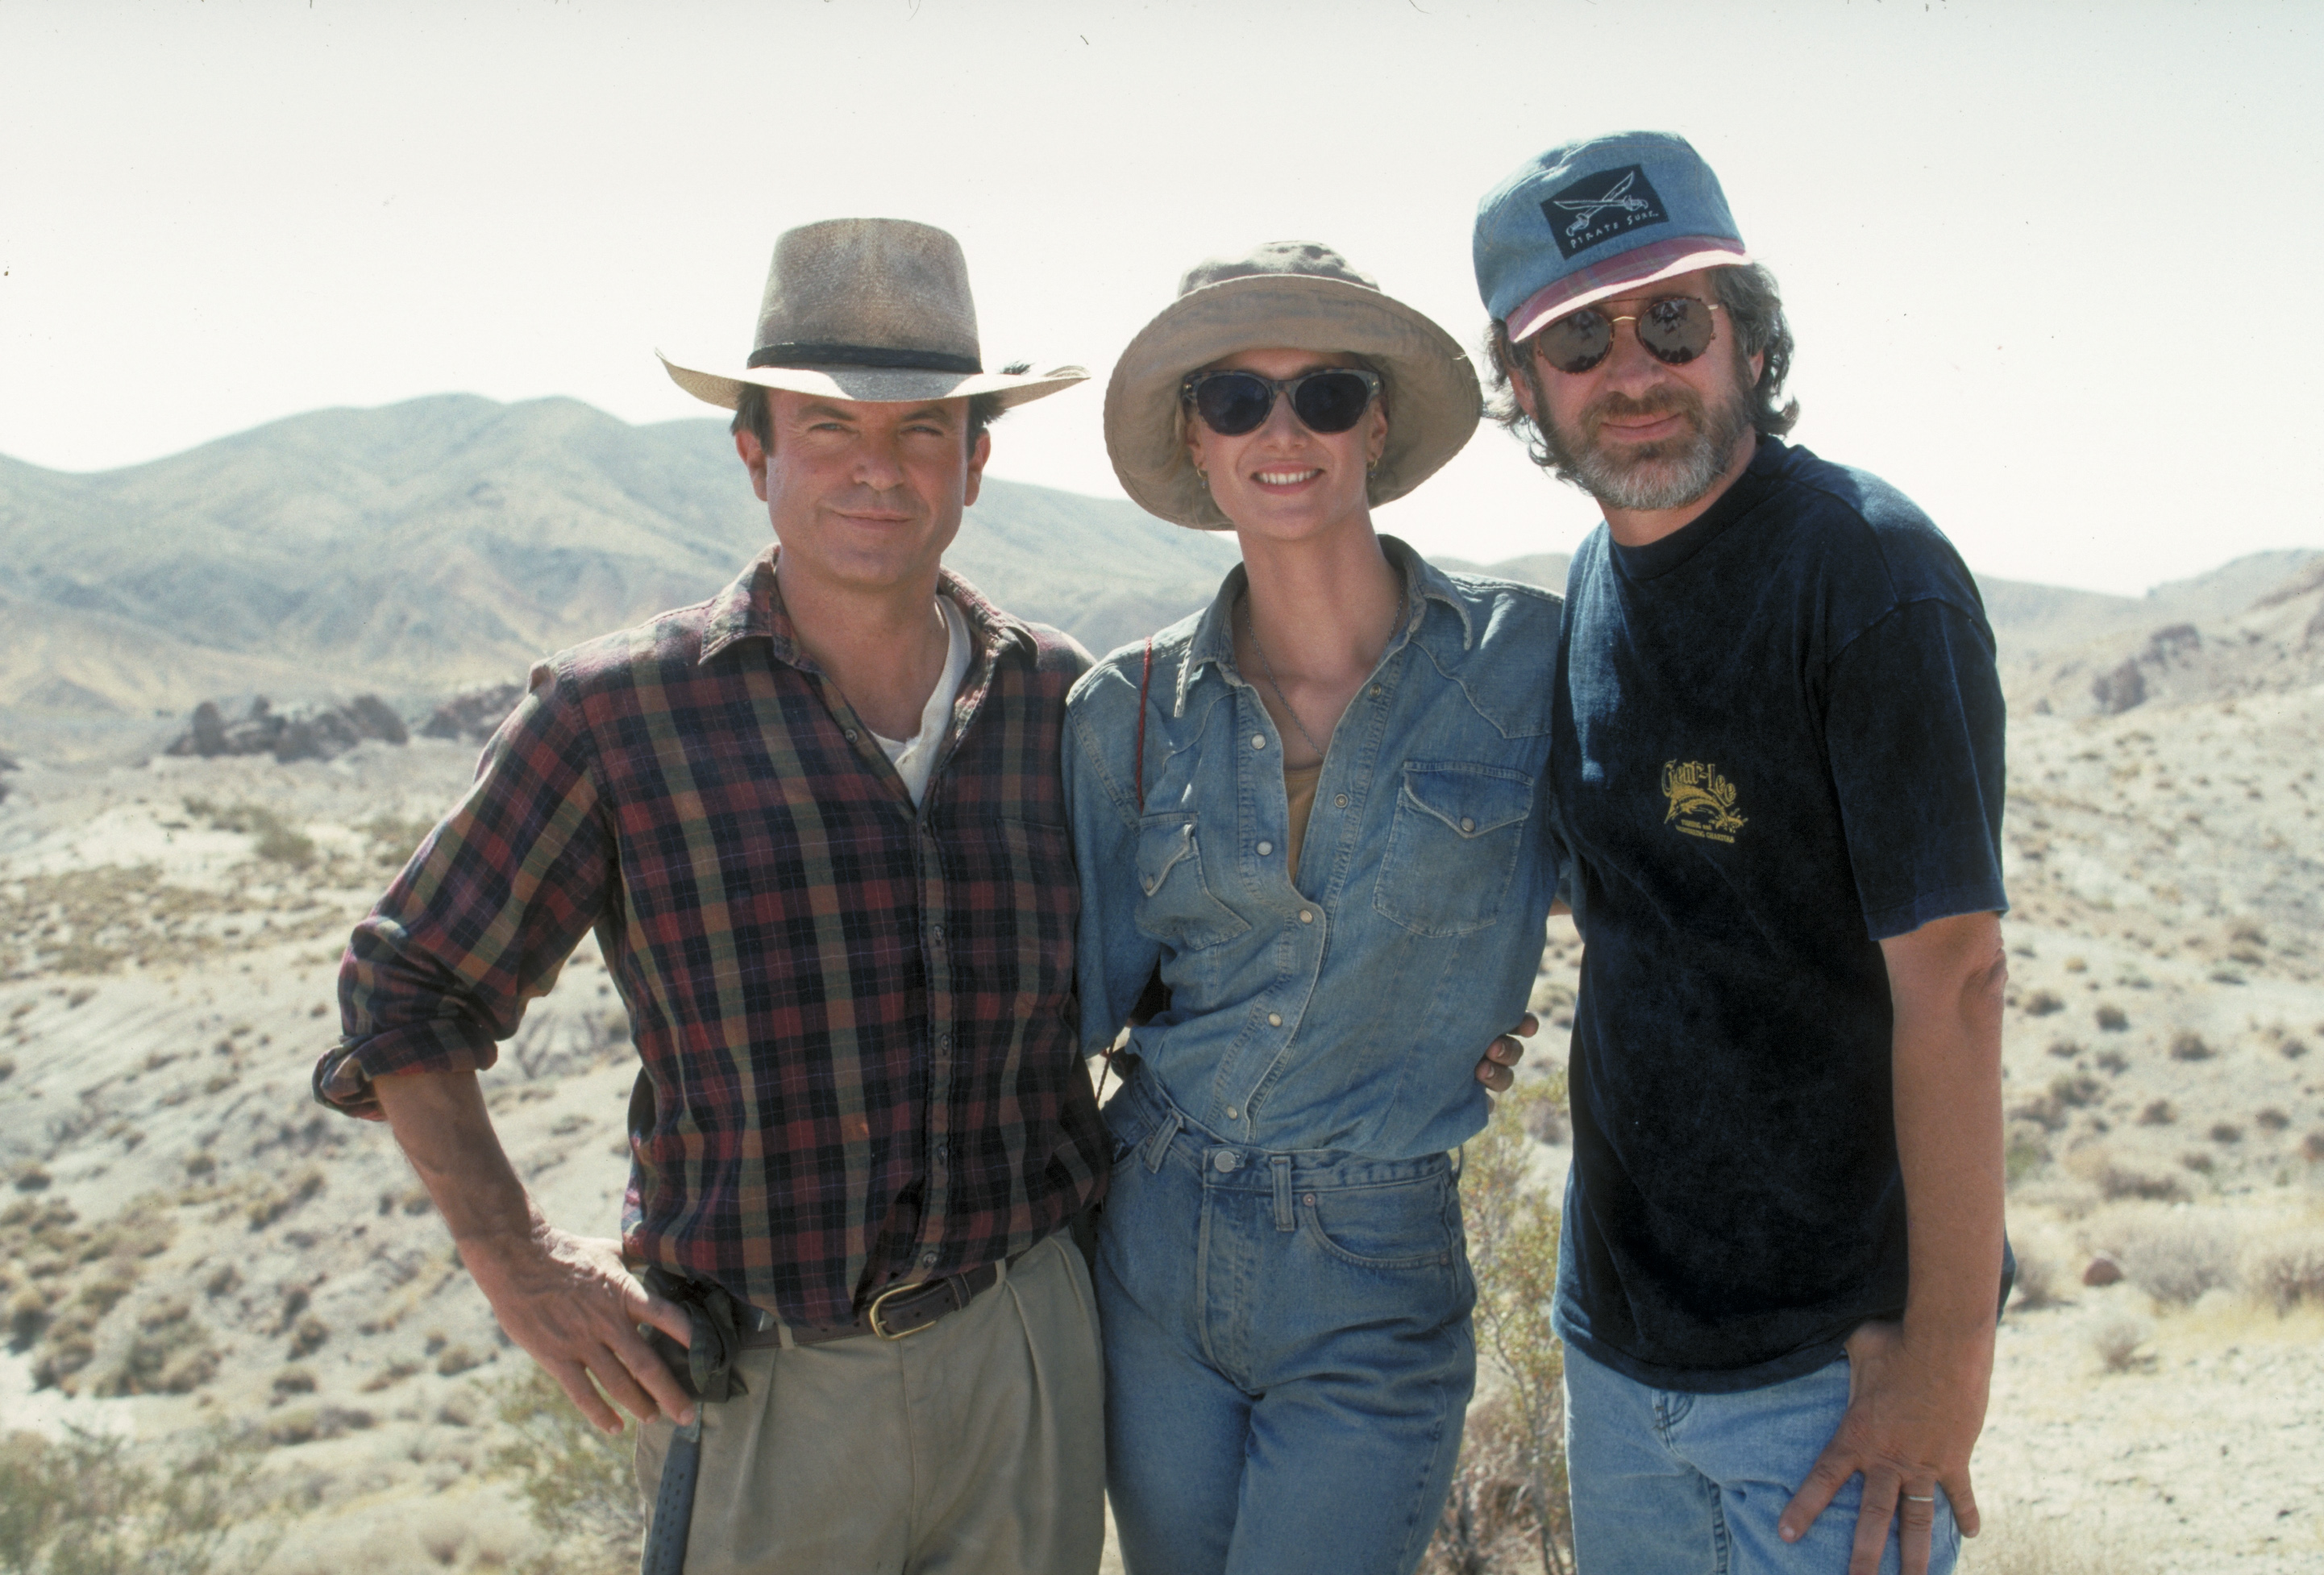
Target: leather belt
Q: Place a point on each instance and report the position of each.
(895, 1313)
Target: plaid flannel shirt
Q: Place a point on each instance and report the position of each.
(856, 1021)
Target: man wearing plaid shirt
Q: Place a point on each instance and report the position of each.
(816, 823)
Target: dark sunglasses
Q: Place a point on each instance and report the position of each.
(1674, 329)
(1231, 403)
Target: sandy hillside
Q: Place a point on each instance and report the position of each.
(186, 1240)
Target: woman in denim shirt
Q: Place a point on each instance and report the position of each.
(1312, 810)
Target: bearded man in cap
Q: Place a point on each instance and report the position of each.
(1776, 750)
(817, 825)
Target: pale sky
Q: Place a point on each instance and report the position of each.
(2047, 262)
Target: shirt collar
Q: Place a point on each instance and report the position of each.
(1424, 583)
(751, 608)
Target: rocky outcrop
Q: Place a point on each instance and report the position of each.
(472, 716)
(303, 733)
(2119, 688)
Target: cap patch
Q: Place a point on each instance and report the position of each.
(1600, 207)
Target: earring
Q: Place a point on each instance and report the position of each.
(1205, 475)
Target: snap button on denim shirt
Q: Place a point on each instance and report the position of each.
(1346, 1009)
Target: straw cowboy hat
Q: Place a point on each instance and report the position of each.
(1293, 295)
(871, 309)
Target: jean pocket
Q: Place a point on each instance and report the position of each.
(1453, 846)
(1402, 1226)
(1176, 906)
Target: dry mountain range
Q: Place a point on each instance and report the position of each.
(446, 541)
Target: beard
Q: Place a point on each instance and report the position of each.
(1646, 477)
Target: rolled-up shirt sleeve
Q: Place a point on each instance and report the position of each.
(484, 914)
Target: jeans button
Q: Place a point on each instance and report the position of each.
(1225, 1161)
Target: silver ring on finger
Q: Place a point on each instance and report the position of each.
(1920, 1497)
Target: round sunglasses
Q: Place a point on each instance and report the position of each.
(1231, 403)
(1673, 329)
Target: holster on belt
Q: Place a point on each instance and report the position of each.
(706, 1371)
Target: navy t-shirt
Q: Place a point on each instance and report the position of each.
(1776, 742)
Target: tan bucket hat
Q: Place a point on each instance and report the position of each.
(876, 311)
(1295, 295)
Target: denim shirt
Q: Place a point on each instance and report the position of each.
(1345, 1011)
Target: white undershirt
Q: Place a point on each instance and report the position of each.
(915, 757)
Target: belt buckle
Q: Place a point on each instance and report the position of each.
(872, 1314)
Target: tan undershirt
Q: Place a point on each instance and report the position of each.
(1300, 792)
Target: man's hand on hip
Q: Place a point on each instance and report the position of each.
(566, 1299)
(571, 1305)
(1913, 1417)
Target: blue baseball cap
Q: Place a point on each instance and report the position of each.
(1589, 219)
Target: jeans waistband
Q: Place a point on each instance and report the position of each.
(1144, 1116)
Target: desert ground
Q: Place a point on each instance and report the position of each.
(187, 1242)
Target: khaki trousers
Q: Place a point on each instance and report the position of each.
(976, 1447)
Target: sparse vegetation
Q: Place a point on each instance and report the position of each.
(395, 838)
(2117, 1342)
(577, 1483)
(2023, 1152)
(2041, 1281)
(90, 1505)
(277, 839)
(2288, 1271)
(2189, 1046)
(1509, 1507)
(2176, 1257)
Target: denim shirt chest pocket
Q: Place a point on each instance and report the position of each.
(1175, 905)
(1459, 828)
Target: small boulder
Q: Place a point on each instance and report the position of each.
(2103, 1271)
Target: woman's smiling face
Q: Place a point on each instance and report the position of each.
(1283, 481)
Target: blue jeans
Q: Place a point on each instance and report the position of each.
(1666, 1482)
(1287, 1354)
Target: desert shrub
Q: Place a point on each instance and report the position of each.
(2226, 1132)
(2023, 1151)
(2112, 1061)
(394, 839)
(578, 1484)
(277, 839)
(1509, 1507)
(2113, 1019)
(2176, 1258)
(2290, 1270)
(2272, 1120)
(2041, 1281)
(2116, 1181)
(2042, 1003)
(2189, 1046)
(2157, 1113)
(2116, 1342)
(90, 1505)
(2065, 1049)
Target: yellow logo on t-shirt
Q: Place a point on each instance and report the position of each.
(1701, 801)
